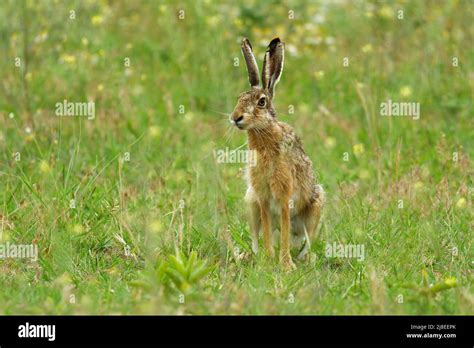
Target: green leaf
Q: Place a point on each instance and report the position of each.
(190, 265)
(446, 284)
(178, 264)
(200, 272)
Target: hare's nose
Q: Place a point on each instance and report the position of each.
(237, 120)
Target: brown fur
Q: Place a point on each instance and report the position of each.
(281, 184)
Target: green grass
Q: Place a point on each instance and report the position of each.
(113, 252)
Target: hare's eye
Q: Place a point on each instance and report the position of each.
(261, 102)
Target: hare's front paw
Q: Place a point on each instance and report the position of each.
(269, 249)
(286, 262)
(255, 246)
(271, 252)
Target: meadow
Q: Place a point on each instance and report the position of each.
(132, 213)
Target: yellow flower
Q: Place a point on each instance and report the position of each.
(367, 48)
(84, 41)
(44, 167)
(386, 12)
(97, 20)
(77, 229)
(154, 131)
(303, 108)
(319, 74)
(42, 36)
(358, 149)
(405, 91)
(100, 87)
(461, 203)
(212, 21)
(189, 116)
(451, 282)
(330, 142)
(163, 8)
(155, 226)
(418, 185)
(68, 58)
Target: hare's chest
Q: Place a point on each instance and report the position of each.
(266, 177)
(260, 177)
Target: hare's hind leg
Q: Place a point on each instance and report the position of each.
(307, 245)
(300, 234)
(310, 219)
(310, 223)
(317, 206)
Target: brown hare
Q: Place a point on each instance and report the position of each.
(281, 183)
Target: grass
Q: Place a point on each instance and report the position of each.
(132, 214)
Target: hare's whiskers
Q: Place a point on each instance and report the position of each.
(220, 112)
(230, 133)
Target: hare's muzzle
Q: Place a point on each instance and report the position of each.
(237, 120)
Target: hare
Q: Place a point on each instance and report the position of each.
(280, 183)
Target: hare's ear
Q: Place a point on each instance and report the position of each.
(273, 65)
(252, 67)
